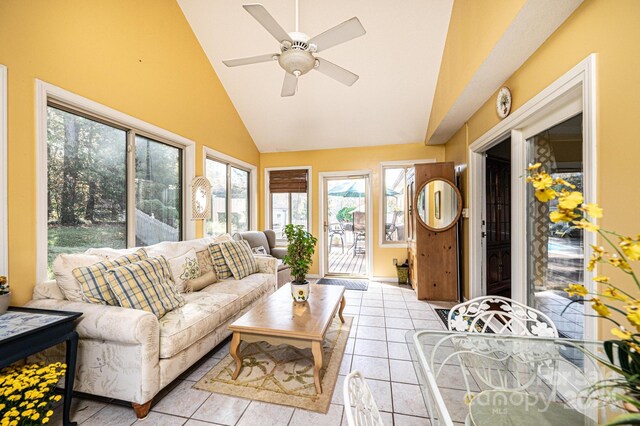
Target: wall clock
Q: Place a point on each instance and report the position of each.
(503, 102)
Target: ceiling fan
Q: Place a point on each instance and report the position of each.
(297, 50)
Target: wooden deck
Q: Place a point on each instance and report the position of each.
(347, 263)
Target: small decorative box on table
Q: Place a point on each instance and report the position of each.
(27, 331)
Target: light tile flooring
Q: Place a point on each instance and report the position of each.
(382, 317)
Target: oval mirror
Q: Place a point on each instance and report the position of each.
(439, 204)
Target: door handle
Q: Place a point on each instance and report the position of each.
(326, 227)
(483, 234)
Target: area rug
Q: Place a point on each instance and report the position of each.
(361, 285)
(282, 374)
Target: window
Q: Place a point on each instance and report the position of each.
(393, 204)
(105, 191)
(230, 193)
(289, 201)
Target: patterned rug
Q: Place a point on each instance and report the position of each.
(282, 374)
(361, 285)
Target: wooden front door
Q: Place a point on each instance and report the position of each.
(498, 227)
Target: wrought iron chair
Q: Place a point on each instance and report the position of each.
(336, 230)
(359, 233)
(359, 405)
(500, 315)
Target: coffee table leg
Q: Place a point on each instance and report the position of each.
(343, 303)
(233, 349)
(316, 349)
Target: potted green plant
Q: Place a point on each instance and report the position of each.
(299, 257)
(5, 294)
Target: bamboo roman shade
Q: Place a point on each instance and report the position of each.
(288, 181)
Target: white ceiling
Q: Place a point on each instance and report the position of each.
(397, 60)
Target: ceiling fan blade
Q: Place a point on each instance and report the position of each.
(337, 73)
(266, 20)
(250, 60)
(289, 85)
(341, 33)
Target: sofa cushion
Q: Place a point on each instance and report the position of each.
(201, 314)
(248, 289)
(239, 258)
(219, 262)
(147, 285)
(63, 268)
(93, 279)
(184, 268)
(205, 262)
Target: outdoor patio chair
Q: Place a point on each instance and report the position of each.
(359, 405)
(392, 227)
(336, 230)
(359, 233)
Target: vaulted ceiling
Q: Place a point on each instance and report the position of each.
(397, 60)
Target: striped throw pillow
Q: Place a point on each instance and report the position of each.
(239, 258)
(219, 264)
(93, 278)
(147, 285)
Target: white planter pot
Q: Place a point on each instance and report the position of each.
(300, 292)
(4, 302)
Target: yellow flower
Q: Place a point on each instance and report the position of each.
(562, 215)
(600, 308)
(592, 210)
(585, 224)
(576, 290)
(570, 200)
(534, 166)
(542, 181)
(613, 293)
(36, 416)
(560, 181)
(545, 195)
(601, 279)
(630, 247)
(45, 420)
(620, 263)
(621, 334)
(596, 256)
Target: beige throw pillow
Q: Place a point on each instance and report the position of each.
(184, 268)
(63, 268)
(204, 280)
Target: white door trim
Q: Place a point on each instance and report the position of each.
(4, 227)
(576, 88)
(267, 198)
(369, 217)
(45, 91)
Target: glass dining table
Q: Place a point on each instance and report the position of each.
(492, 379)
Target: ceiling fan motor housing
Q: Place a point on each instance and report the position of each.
(296, 58)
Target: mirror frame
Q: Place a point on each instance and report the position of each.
(200, 182)
(458, 213)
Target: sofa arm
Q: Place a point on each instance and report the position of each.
(111, 323)
(267, 264)
(279, 252)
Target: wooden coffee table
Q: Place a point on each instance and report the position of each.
(280, 320)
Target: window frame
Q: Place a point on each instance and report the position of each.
(268, 202)
(4, 187)
(406, 164)
(229, 161)
(47, 94)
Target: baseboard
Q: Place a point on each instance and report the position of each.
(314, 276)
(385, 279)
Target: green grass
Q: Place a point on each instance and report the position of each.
(77, 239)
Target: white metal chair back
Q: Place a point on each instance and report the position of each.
(359, 405)
(500, 315)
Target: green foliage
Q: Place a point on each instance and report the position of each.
(345, 214)
(300, 251)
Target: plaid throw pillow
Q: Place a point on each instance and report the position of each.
(93, 278)
(147, 285)
(219, 264)
(239, 258)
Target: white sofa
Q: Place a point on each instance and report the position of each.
(130, 355)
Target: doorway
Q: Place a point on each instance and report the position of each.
(346, 225)
(497, 234)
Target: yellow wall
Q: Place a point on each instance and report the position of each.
(610, 30)
(474, 29)
(139, 57)
(368, 158)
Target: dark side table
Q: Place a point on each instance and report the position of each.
(27, 331)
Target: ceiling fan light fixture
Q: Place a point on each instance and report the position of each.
(297, 62)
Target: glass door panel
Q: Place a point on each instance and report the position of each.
(239, 200)
(556, 250)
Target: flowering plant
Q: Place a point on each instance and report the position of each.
(27, 392)
(4, 285)
(606, 297)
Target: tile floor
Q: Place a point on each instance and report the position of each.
(382, 316)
